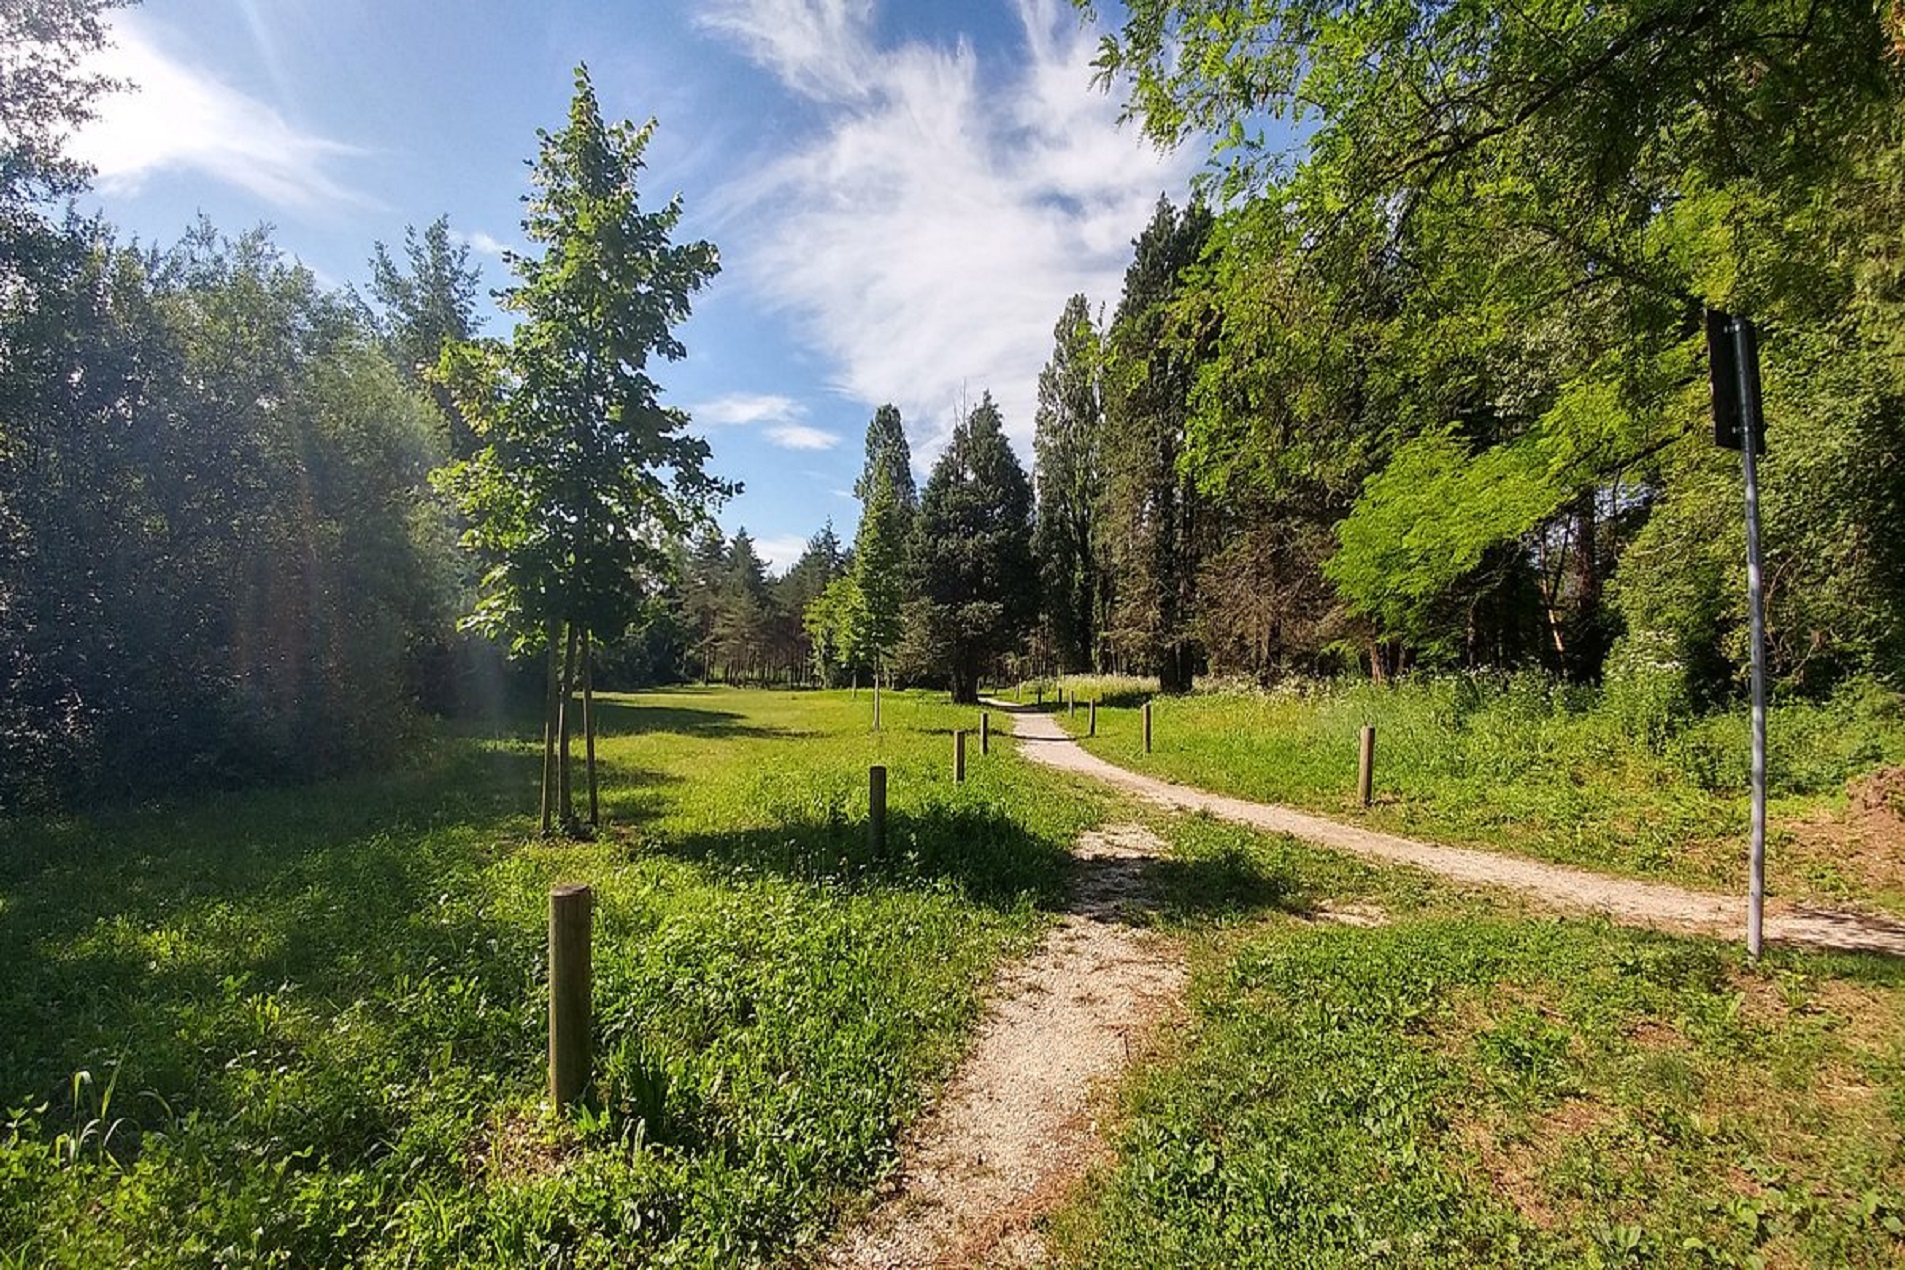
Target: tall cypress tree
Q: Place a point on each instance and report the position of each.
(973, 572)
(1154, 516)
(1068, 446)
(878, 573)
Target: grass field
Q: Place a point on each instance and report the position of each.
(1461, 1084)
(1525, 766)
(306, 1027)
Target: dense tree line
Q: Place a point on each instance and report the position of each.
(1426, 389)
(231, 499)
(1446, 397)
(1430, 389)
(218, 557)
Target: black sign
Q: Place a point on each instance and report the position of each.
(1732, 343)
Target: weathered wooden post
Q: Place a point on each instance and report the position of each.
(571, 907)
(876, 705)
(1038, 691)
(876, 808)
(1091, 719)
(1071, 702)
(1366, 766)
(959, 756)
(985, 732)
(1147, 727)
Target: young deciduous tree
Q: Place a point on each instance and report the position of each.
(975, 583)
(584, 477)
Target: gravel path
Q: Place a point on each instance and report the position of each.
(1624, 900)
(1014, 1129)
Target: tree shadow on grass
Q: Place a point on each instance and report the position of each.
(991, 858)
(170, 939)
(631, 716)
(996, 862)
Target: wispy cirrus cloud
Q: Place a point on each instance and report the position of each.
(928, 233)
(178, 117)
(747, 407)
(782, 416)
(481, 243)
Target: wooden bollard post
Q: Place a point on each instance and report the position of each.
(1091, 719)
(1147, 727)
(985, 732)
(1071, 702)
(876, 706)
(876, 808)
(959, 756)
(1039, 693)
(1366, 766)
(571, 907)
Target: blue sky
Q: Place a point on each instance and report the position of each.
(904, 194)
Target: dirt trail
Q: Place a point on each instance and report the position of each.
(1015, 1128)
(1629, 902)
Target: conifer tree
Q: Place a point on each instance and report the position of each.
(975, 582)
(1068, 445)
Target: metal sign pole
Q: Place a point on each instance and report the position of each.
(1747, 353)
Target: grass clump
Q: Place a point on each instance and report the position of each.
(1560, 772)
(1440, 1082)
(311, 1023)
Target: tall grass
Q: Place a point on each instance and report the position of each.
(1564, 772)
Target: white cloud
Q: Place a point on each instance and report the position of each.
(747, 407)
(928, 234)
(798, 436)
(180, 118)
(479, 242)
(780, 553)
(819, 48)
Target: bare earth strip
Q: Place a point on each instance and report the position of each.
(1624, 900)
(1015, 1126)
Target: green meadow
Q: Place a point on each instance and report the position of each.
(307, 1026)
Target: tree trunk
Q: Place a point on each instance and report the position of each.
(588, 726)
(566, 713)
(965, 683)
(549, 714)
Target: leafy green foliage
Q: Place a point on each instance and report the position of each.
(878, 573)
(1153, 524)
(584, 475)
(1455, 314)
(44, 94)
(1068, 443)
(223, 560)
(425, 304)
